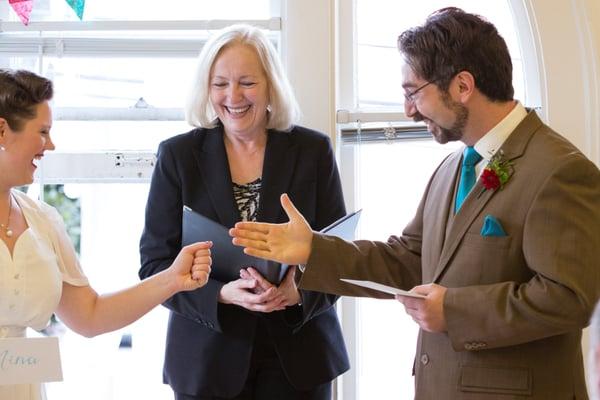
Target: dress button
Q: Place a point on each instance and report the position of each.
(11, 307)
(17, 292)
(17, 276)
(424, 359)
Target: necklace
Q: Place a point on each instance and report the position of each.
(6, 228)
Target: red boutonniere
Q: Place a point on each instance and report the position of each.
(496, 173)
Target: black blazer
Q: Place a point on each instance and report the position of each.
(208, 343)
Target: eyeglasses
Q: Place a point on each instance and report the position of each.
(410, 97)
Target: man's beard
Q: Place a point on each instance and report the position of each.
(456, 131)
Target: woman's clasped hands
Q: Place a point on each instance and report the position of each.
(253, 292)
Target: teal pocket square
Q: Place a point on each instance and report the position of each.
(491, 227)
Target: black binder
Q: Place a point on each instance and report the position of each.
(228, 258)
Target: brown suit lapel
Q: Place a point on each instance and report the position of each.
(513, 148)
(443, 193)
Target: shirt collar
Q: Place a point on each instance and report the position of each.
(491, 142)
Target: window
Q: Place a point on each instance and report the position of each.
(378, 24)
(121, 77)
(385, 162)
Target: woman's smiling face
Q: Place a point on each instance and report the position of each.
(23, 149)
(239, 91)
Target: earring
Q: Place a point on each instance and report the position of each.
(2, 148)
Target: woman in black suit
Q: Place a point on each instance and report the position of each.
(245, 339)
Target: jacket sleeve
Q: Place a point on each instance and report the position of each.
(396, 262)
(161, 240)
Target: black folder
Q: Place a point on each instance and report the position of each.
(344, 227)
(228, 258)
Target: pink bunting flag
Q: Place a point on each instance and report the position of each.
(22, 8)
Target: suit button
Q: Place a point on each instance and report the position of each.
(424, 359)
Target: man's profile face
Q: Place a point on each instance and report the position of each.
(445, 118)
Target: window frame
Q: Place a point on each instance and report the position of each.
(352, 121)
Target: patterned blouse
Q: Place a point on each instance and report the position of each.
(247, 197)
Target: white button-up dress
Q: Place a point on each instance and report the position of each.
(31, 279)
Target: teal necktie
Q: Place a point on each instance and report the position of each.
(467, 176)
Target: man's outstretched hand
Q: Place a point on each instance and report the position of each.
(288, 243)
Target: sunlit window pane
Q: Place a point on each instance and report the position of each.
(380, 22)
(390, 178)
(106, 367)
(120, 82)
(72, 136)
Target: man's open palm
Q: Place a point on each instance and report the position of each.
(287, 243)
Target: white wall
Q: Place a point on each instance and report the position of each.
(308, 26)
(567, 49)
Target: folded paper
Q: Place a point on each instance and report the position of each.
(383, 288)
(29, 360)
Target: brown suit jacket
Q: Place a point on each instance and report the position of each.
(516, 304)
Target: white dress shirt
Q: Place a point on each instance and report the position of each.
(489, 144)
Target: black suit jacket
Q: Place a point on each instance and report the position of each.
(209, 344)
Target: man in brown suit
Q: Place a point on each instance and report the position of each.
(510, 267)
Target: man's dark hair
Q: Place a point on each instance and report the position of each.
(20, 92)
(452, 41)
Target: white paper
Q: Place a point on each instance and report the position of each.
(29, 360)
(383, 288)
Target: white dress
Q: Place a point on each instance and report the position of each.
(31, 279)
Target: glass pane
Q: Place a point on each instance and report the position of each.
(69, 208)
(112, 84)
(27, 62)
(390, 178)
(379, 22)
(73, 136)
(126, 364)
(111, 10)
(120, 82)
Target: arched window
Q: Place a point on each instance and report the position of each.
(386, 161)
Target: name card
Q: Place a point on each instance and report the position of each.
(29, 360)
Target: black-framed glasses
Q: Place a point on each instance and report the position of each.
(410, 97)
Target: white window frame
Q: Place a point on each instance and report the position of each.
(107, 167)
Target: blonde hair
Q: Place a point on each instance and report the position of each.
(283, 107)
